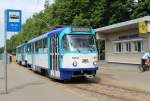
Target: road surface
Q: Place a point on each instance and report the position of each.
(24, 85)
(112, 83)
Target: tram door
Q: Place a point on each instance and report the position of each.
(54, 56)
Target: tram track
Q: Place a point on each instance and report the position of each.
(96, 87)
(120, 93)
(101, 89)
(100, 93)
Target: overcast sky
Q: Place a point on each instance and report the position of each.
(28, 7)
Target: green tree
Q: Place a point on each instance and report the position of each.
(111, 11)
(78, 12)
(142, 8)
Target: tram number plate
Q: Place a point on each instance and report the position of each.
(85, 61)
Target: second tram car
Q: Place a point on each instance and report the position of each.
(63, 53)
(21, 54)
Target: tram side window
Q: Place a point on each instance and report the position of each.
(19, 50)
(40, 46)
(29, 48)
(26, 49)
(45, 45)
(36, 46)
(32, 47)
(22, 51)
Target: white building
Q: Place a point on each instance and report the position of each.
(126, 42)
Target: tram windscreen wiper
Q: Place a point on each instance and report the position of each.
(78, 50)
(91, 48)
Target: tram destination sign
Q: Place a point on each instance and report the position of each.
(81, 29)
(13, 20)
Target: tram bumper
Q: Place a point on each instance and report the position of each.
(68, 73)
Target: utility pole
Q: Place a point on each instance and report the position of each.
(5, 55)
(13, 23)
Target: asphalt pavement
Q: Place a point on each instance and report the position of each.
(24, 85)
(124, 75)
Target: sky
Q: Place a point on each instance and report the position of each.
(28, 7)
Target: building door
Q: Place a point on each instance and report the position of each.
(101, 49)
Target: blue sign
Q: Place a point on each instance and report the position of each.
(13, 20)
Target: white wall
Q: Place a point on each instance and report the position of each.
(131, 58)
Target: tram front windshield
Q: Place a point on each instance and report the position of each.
(78, 43)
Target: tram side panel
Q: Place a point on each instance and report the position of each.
(29, 59)
(18, 58)
(41, 61)
(82, 60)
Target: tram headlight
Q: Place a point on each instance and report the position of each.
(75, 63)
(94, 63)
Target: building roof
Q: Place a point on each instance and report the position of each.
(123, 25)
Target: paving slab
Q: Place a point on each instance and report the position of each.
(25, 85)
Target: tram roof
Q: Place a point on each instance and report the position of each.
(53, 32)
(21, 45)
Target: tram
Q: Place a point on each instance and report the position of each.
(21, 54)
(63, 53)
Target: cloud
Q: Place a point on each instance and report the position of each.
(28, 7)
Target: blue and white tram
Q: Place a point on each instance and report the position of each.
(21, 55)
(64, 53)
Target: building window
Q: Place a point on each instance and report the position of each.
(127, 46)
(119, 47)
(138, 46)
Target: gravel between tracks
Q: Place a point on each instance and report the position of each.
(110, 91)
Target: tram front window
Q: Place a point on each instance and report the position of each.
(79, 43)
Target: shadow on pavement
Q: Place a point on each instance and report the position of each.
(81, 80)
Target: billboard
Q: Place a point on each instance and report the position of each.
(143, 28)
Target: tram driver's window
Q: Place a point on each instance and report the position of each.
(65, 44)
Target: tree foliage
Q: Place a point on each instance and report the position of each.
(96, 13)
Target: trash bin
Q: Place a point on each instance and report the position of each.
(10, 58)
